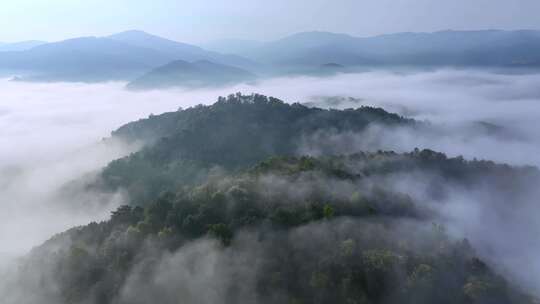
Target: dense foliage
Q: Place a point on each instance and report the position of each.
(235, 132)
(312, 230)
(223, 209)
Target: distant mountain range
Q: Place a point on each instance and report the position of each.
(178, 50)
(123, 56)
(129, 55)
(491, 48)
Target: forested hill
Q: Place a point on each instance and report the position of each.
(288, 230)
(235, 132)
(223, 209)
(256, 112)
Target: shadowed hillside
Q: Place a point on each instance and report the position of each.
(235, 132)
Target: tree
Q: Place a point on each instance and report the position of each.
(328, 211)
(222, 232)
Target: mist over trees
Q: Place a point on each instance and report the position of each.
(312, 229)
(222, 207)
(375, 153)
(237, 131)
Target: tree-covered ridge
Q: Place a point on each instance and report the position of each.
(251, 109)
(308, 228)
(235, 132)
(223, 209)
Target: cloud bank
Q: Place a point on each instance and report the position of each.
(50, 134)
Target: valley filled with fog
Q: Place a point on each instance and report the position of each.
(53, 134)
(269, 152)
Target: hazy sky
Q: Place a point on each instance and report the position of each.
(202, 20)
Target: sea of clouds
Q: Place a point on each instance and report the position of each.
(51, 134)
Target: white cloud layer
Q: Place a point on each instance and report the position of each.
(50, 133)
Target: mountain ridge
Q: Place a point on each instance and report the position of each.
(134, 53)
(123, 57)
(450, 48)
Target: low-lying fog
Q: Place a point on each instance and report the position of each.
(50, 133)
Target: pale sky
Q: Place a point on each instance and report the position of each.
(202, 20)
